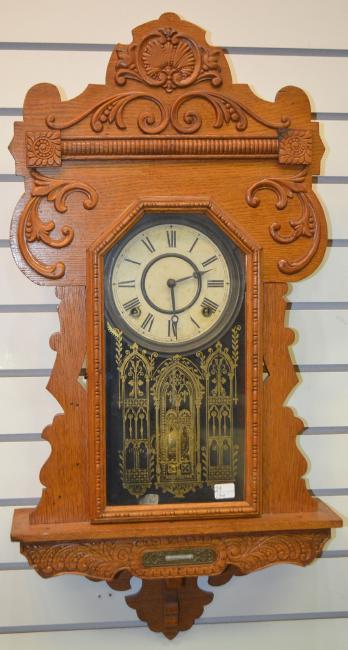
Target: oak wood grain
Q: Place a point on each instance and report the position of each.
(168, 130)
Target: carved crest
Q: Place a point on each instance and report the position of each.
(169, 59)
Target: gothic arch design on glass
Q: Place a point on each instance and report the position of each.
(221, 396)
(178, 392)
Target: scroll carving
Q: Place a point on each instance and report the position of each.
(307, 225)
(105, 558)
(31, 228)
(248, 553)
(168, 59)
(111, 110)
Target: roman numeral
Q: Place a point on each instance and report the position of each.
(171, 238)
(210, 260)
(216, 283)
(195, 322)
(209, 304)
(148, 322)
(126, 283)
(132, 304)
(126, 259)
(149, 245)
(193, 245)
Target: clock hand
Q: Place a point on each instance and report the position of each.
(171, 284)
(174, 321)
(172, 292)
(194, 275)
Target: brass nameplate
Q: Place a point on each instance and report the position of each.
(179, 556)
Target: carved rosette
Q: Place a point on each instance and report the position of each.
(307, 225)
(31, 228)
(295, 147)
(43, 149)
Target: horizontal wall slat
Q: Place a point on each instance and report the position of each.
(335, 138)
(286, 635)
(333, 197)
(65, 599)
(339, 539)
(335, 201)
(21, 462)
(20, 467)
(327, 460)
(305, 26)
(334, 135)
(73, 71)
(321, 336)
(317, 399)
(9, 551)
(27, 599)
(328, 283)
(24, 340)
(263, 592)
(25, 405)
(10, 193)
(15, 288)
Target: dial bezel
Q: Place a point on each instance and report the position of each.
(234, 259)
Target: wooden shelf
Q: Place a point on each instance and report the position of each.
(25, 532)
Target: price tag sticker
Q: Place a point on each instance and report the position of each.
(224, 491)
(149, 500)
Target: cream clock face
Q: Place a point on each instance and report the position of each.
(172, 284)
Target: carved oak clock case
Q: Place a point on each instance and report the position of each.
(170, 207)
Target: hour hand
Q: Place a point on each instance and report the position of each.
(196, 274)
(173, 326)
(172, 292)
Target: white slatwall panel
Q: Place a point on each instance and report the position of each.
(16, 289)
(266, 74)
(328, 345)
(317, 399)
(329, 284)
(25, 405)
(23, 352)
(333, 197)
(9, 551)
(27, 599)
(327, 459)
(319, 590)
(27, 458)
(229, 23)
(312, 635)
(334, 135)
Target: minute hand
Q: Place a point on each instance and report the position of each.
(194, 275)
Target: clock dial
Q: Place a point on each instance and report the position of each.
(173, 284)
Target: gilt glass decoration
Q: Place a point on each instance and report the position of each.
(175, 338)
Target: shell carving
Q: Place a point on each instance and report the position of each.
(168, 59)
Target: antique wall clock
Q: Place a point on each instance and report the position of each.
(170, 207)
